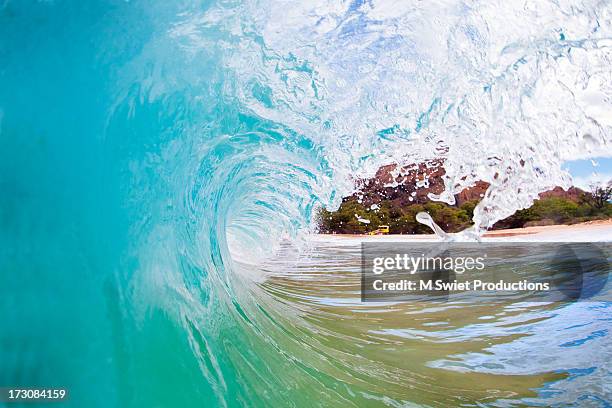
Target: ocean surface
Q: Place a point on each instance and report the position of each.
(161, 167)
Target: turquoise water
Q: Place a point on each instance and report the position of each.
(154, 155)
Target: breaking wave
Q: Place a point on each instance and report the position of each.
(204, 135)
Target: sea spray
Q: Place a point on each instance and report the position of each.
(425, 219)
(372, 85)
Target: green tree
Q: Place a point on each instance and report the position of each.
(601, 194)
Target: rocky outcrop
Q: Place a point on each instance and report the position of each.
(475, 193)
(412, 185)
(573, 194)
(409, 186)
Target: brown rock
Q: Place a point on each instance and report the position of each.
(417, 181)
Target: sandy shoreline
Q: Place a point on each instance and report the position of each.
(600, 230)
(595, 226)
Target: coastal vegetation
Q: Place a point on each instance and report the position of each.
(401, 219)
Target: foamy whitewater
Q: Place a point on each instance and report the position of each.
(157, 158)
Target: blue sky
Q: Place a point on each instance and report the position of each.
(584, 172)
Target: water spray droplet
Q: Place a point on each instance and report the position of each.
(425, 219)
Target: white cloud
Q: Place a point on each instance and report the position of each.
(585, 182)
